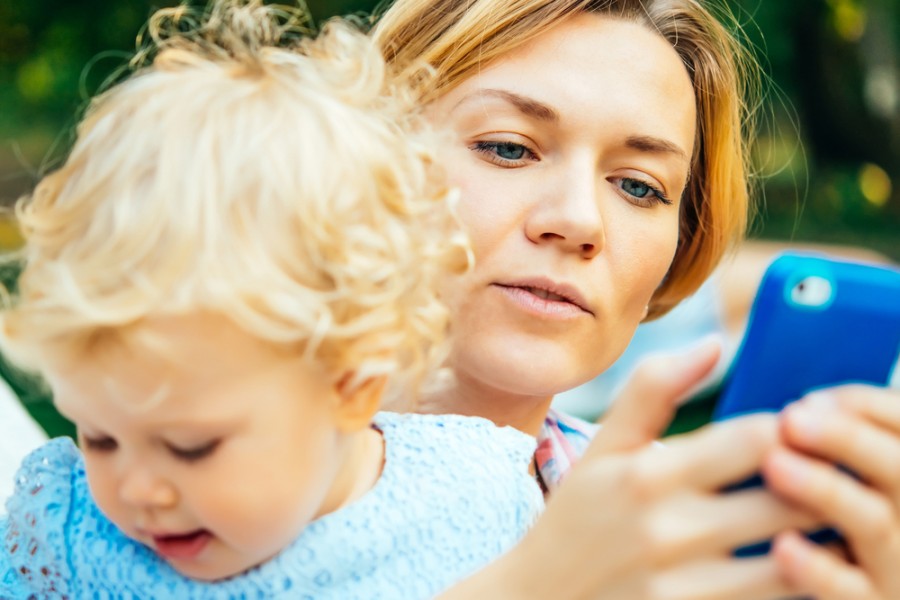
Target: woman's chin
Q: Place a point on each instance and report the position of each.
(539, 371)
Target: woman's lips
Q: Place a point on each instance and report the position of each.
(182, 546)
(542, 302)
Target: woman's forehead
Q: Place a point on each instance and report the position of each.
(592, 70)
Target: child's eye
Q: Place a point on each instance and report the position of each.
(642, 193)
(505, 154)
(99, 444)
(196, 453)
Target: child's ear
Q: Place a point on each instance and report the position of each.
(358, 403)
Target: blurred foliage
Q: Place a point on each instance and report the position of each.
(55, 54)
(830, 151)
(828, 155)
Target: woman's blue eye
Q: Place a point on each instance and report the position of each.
(510, 151)
(644, 192)
(504, 153)
(636, 188)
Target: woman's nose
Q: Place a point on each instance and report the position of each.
(140, 487)
(568, 215)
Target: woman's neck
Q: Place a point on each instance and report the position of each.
(470, 397)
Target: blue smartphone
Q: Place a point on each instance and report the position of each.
(816, 322)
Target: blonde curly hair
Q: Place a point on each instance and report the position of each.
(248, 169)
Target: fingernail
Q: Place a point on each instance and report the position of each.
(794, 470)
(820, 399)
(805, 422)
(709, 341)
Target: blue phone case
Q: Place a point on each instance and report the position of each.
(815, 322)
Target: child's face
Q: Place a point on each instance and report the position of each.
(216, 457)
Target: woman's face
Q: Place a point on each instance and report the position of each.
(572, 157)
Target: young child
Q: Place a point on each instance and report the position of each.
(240, 251)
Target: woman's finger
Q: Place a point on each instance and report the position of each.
(723, 579)
(714, 456)
(879, 405)
(716, 524)
(849, 440)
(815, 571)
(866, 517)
(645, 407)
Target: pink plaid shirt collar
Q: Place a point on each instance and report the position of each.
(561, 441)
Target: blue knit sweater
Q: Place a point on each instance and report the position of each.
(454, 494)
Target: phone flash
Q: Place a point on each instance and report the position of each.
(812, 292)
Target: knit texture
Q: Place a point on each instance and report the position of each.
(454, 494)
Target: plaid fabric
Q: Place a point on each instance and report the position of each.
(561, 441)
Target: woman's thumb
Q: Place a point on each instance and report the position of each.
(646, 405)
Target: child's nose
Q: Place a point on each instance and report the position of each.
(142, 488)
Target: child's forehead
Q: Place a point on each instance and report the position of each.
(175, 371)
(188, 375)
(112, 406)
(91, 396)
(188, 353)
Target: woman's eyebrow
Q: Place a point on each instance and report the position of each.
(655, 145)
(527, 106)
(536, 109)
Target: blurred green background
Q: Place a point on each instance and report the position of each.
(828, 156)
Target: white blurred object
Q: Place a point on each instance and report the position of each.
(19, 435)
(894, 381)
(692, 320)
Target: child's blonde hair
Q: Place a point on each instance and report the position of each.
(254, 172)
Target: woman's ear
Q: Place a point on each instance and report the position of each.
(358, 402)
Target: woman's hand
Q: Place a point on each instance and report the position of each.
(651, 523)
(636, 521)
(857, 427)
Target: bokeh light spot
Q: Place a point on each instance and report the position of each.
(849, 19)
(875, 184)
(35, 79)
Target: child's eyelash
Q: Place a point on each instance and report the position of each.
(101, 444)
(196, 453)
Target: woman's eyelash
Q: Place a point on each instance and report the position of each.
(494, 152)
(657, 193)
(516, 153)
(196, 453)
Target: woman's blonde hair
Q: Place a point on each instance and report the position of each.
(457, 38)
(251, 171)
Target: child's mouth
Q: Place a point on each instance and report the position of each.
(183, 545)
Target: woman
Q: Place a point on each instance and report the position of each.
(679, 239)
(602, 170)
